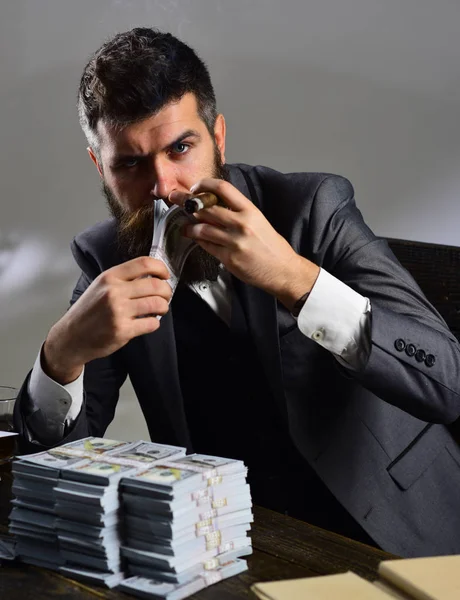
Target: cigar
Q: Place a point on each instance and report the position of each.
(200, 201)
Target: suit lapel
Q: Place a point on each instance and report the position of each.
(261, 316)
(260, 310)
(160, 348)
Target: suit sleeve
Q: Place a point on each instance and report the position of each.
(402, 319)
(102, 380)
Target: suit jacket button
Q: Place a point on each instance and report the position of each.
(430, 360)
(420, 355)
(400, 345)
(410, 349)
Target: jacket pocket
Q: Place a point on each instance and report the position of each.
(415, 459)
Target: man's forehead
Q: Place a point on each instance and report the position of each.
(159, 128)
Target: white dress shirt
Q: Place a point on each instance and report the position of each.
(334, 316)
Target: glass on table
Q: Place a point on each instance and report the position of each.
(8, 397)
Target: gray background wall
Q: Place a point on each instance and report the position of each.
(365, 88)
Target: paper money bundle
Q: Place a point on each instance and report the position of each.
(144, 587)
(78, 526)
(182, 523)
(33, 517)
(87, 501)
(186, 525)
(168, 243)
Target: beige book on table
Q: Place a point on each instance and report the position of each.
(344, 586)
(431, 578)
(427, 578)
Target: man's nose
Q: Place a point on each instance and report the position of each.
(164, 181)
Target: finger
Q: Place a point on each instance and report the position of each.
(205, 232)
(218, 215)
(148, 286)
(143, 326)
(230, 196)
(153, 305)
(177, 197)
(140, 267)
(219, 252)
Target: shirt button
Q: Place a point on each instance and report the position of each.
(203, 287)
(318, 335)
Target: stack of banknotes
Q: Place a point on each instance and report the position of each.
(186, 525)
(33, 517)
(66, 509)
(87, 504)
(140, 515)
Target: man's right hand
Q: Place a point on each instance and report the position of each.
(105, 317)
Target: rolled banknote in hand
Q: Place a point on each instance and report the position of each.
(168, 243)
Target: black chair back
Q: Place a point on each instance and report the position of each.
(436, 268)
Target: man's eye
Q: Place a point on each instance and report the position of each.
(129, 163)
(180, 148)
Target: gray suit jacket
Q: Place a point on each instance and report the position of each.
(376, 437)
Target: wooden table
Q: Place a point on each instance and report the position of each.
(284, 548)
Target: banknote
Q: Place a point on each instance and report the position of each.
(168, 243)
(151, 588)
(149, 452)
(91, 446)
(205, 563)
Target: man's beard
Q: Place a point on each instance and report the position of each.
(135, 231)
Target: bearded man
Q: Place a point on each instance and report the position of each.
(295, 340)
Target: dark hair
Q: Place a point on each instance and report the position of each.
(135, 74)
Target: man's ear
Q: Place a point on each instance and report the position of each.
(95, 160)
(219, 135)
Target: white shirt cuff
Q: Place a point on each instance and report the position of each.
(59, 403)
(338, 319)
